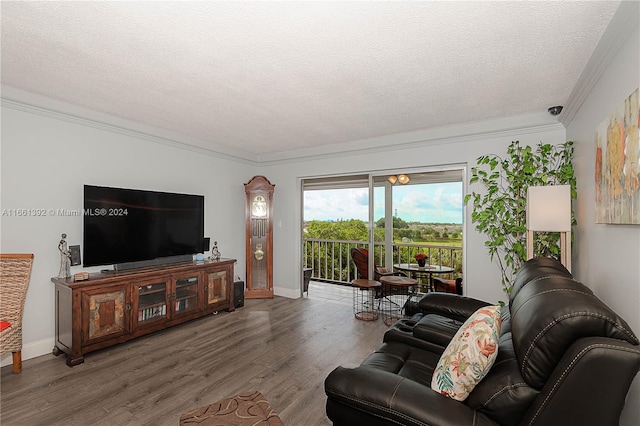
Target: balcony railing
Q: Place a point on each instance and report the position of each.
(330, 260)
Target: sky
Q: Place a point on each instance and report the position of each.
(433, 203)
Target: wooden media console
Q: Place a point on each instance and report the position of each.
(116, 306)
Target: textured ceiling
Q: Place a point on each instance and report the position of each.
(269, 77)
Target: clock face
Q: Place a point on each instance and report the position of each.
(259, 206)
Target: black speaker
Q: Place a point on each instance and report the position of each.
(206, 244)
(238, 294)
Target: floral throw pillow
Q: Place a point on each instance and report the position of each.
(470, 354)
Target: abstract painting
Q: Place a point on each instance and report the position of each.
(618, 165)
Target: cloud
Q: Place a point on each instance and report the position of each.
(336, 204)
(434, 203)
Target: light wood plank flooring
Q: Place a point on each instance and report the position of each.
(281, 347)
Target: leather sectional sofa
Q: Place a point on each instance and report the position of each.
(564, 358)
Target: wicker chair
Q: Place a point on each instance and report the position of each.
(15, 272)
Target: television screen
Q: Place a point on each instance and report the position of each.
(127, 225)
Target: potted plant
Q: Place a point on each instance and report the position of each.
(500, 210)
(421, 258)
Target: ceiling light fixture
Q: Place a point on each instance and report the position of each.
(403, 179)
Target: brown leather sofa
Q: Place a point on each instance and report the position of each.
(564, 358)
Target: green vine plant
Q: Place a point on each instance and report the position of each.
(500, 210)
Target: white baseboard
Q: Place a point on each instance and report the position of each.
(287, 292)
(30, 350)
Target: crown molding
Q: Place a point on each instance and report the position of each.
(623, 23)
(459, 133)
(512, 126)
(40, 105)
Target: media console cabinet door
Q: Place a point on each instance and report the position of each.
(259, 237)
(186, 290)
(217, 287)
(150, 302)
(107, 310)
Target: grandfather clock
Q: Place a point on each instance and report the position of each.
(259, 237)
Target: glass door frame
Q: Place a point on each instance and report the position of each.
(388, 194)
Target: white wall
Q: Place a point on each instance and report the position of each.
(608, 256)
(45, 162)
(481, 277)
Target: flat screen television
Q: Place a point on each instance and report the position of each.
(127, 225)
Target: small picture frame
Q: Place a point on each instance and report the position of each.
(75, 255)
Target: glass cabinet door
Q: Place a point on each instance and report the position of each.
(152, 302)
(186, 295)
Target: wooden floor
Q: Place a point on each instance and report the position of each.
(281, 347)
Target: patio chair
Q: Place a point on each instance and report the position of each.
(360, 257)
(447, 286)
(15, 273)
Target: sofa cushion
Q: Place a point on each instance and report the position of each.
(469, 355)
(545, 323)
(406, 361)
(450, 305)
(506, 320)
(437, 329)
(503, 395)
(536, 268)
(402, 331)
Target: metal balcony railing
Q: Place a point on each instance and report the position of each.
(330, 260)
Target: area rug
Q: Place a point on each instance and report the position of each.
(245, 409)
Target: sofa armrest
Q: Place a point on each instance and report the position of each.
(450, 305)
(364, 396)
(597, 371)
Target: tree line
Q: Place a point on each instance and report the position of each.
(355, 229)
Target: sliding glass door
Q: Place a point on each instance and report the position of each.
(335, 220)
(395, 215)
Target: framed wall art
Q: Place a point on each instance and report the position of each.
(617, 174)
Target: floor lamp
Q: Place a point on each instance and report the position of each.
(549, 210)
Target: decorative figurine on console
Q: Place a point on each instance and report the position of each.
(65, 258)
(215, 253)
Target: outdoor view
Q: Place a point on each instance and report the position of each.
(427, 218)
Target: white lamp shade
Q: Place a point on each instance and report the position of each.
(549, 208)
